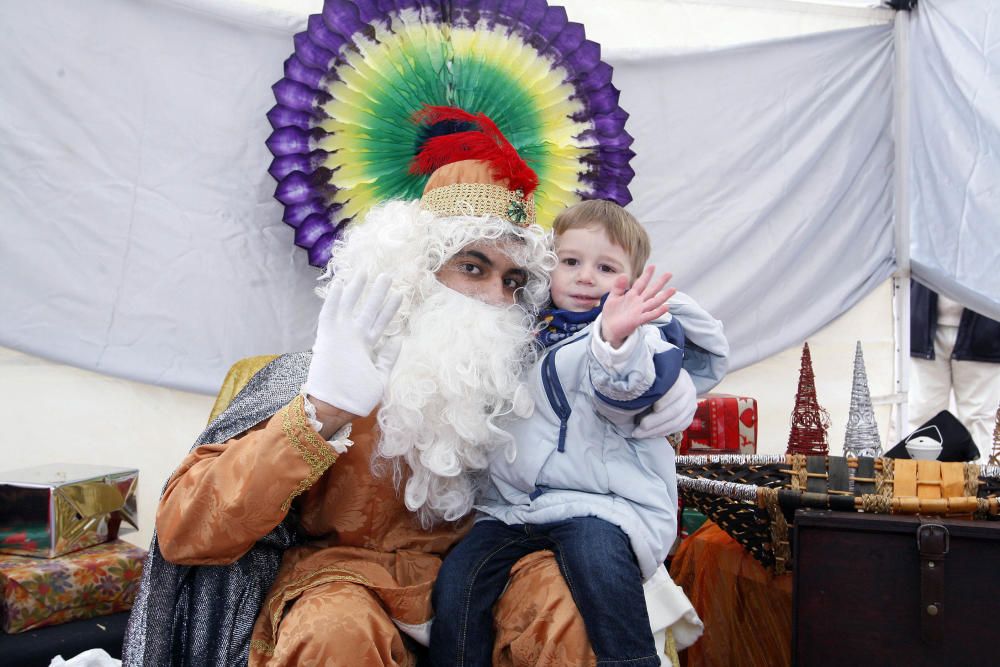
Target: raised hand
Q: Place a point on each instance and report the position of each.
(625, 311)
(346, 372)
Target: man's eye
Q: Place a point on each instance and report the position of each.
(513, 283)
(472, 269)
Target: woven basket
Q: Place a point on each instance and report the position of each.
(754, 498)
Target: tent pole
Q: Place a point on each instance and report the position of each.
(901, 277)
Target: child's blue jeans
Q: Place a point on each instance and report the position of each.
(597, 563)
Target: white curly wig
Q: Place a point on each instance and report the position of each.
(461, 359)
(411, 244)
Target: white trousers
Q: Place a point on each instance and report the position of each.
(976, 385)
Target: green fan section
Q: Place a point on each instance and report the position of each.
(385, 82)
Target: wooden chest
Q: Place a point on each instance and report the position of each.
(894, 590)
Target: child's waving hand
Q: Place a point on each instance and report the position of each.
(625, 310)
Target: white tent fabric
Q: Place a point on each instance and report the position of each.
(141, 239)
(955, 118)
(764, 175)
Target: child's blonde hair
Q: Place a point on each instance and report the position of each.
(620, 226)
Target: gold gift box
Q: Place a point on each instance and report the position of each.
(50, 510)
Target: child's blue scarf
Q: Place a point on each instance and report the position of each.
(560, 323)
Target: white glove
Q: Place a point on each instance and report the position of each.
(672, 413)
(346, 372)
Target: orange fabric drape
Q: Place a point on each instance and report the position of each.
(747, 611)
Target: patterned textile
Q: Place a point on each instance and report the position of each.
(534, 623)
(747, 610)
(359, 532)
(96, 581)
(239, 374)
(561, 324)
(722, 424)
(361, 536)
(365, 634)
(180, 611)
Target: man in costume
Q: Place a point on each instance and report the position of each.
(286, 538)
(953, 351)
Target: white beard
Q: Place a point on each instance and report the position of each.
(458, 371)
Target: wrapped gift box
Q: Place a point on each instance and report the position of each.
(51, 510)
(722, 425)
(691, 521)
(97, 581)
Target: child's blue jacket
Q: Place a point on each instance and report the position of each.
(575, 454)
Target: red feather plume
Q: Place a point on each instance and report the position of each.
(485, 143)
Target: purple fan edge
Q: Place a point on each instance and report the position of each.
(300, 93)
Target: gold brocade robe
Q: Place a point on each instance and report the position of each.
(368, 562)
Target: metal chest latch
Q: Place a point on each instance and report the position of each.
(933, 542)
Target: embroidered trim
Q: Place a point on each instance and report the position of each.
(319, 457)
(480, 200)
(262, 646)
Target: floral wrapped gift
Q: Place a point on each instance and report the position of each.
(96, 581)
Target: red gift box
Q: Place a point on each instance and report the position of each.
(96, 581)
(722, 424)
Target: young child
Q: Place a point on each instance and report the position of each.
(580, 484)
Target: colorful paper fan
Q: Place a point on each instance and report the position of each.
(343, 137)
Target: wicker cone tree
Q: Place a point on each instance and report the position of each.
(810, 422)
(861, 437)
(995, 454)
